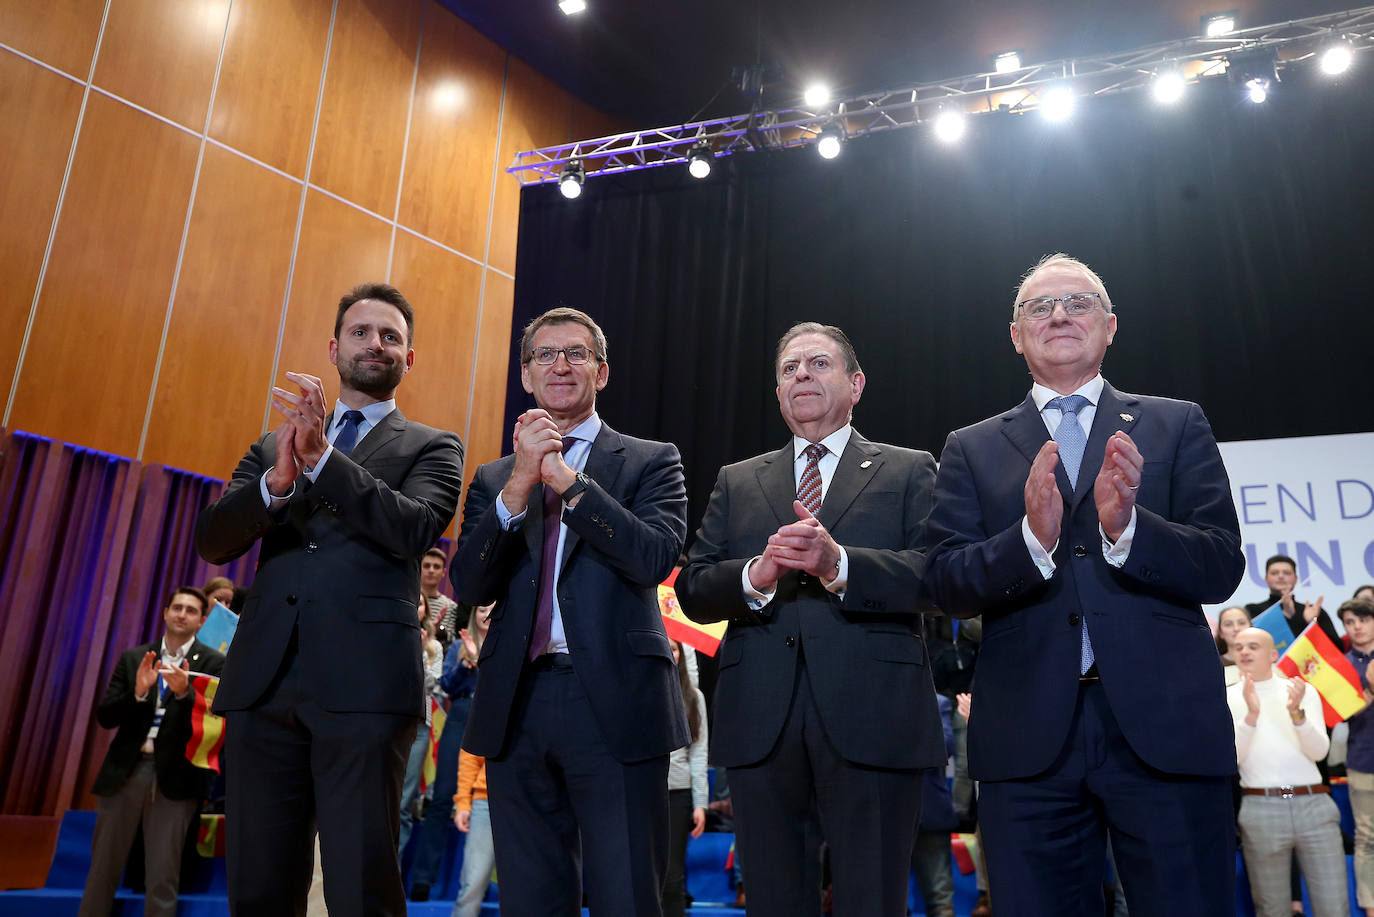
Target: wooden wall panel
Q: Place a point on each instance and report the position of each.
(444, 288)
(486, 433)
(447, 188)
(61, 33)
(38, 111)
(270, 79)
(367, 91)
(340, 247)
(162, 55)
(89, 366)
(217, 366)
(537, 115)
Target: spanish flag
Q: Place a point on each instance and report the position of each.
(1316, 660)
(210, 836)
(207, 729)
(704, 637)
(437, 719)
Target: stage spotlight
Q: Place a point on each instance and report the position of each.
(572, 7)
(699, 160)
(1006, 61)
(829, 141)
(1215, 25)
(1257, 90)
(1167, 86)
(1337, 58)
(1057, 103)
(817, 95)
(570, 182)
(949, 125)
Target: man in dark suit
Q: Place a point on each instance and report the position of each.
(146, 778)
(1281, 576)
(1086, 526)
(577, 702)
(323, 687)
(815, 555)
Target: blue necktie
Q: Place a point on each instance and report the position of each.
(1071, 439)
(348, 432)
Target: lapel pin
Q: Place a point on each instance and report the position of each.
(865, 464)
(1126, 417)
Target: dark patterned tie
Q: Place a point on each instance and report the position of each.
(809, 489)
(548, 568)
(347, 437)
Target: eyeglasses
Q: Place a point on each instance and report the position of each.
(1076, 305)
(547, 356)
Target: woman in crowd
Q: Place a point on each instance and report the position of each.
(1230, 622)
(219, 589)
(433, 656)
(687, 793)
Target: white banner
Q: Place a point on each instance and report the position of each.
(1311, 498)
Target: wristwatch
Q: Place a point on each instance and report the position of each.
(579, 484)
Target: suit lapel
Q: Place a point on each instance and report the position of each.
(859, 462)
(1114, 412)
(1026, 429)
(390, 427)
(779, 483)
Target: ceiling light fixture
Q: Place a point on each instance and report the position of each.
(1215, 25)
(817, 95)
(1168, 85)
(1057, 103)
(570, 181)
(1337, 58)
(829, 141)
(699, 161)
(950, 125)
(572, 7)
(1257, 90)
(1006, 61)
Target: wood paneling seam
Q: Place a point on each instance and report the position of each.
(437, 244)
(56, 217)
(49, 67)
(405, 144)
(300, 217)
(185, 232)
(147, 111)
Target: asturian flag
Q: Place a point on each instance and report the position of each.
(1316, 660)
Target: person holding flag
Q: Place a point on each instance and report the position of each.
(1357, 615)
(1285, 808)
(147, 778)
(1281, 576)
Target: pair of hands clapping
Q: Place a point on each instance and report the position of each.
(1114, 490)
(301, 441)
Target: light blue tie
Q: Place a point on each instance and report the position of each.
(1071, 439)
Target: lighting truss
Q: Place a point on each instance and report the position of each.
(1016, 91)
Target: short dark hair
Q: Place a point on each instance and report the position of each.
(1359, 589)
(563, 315)
(439, 553)
(1362, 608)
(1280, 559)
(851, 359)
(382, 292)
(192, 591)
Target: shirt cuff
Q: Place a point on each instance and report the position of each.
(840, 583)
(270, 501)
(313, 473)
(1116, 554)
(752, 597)
(503, 515)
(1044, 562)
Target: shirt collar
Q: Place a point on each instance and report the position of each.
(372, 414)
(181, 652)
(587, 430)
(834, 443)
(1092, 390)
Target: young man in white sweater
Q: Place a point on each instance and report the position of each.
(1284, 808)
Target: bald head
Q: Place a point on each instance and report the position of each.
(1253, 650)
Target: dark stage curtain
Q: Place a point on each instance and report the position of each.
(1234, 239)
(90, 545)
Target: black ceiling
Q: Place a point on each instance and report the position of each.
(655, 63)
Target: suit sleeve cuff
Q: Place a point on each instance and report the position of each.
(1116, 554)
(752, 597)
(1044, 562)
(508, 522)
(840, 583)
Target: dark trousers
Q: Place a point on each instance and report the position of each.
(558, 796)
(429, 852)
(1173, 836)
(679, 826)
(165, 822)
(867, 815)
(292, 764)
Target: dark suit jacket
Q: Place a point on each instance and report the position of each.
(864, 655)
(176, 777)
(340, 566)
(1154, 650)
(623, 538)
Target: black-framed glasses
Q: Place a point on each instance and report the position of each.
(1076, 305)
(547, 356)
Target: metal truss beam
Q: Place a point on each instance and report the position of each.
(1290, 43)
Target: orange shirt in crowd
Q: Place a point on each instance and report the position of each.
(472, 781)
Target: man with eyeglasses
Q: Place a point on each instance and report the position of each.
(814, 553)
(1087, 526)
(577, 704)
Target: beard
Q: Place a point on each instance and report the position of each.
(376, 381)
